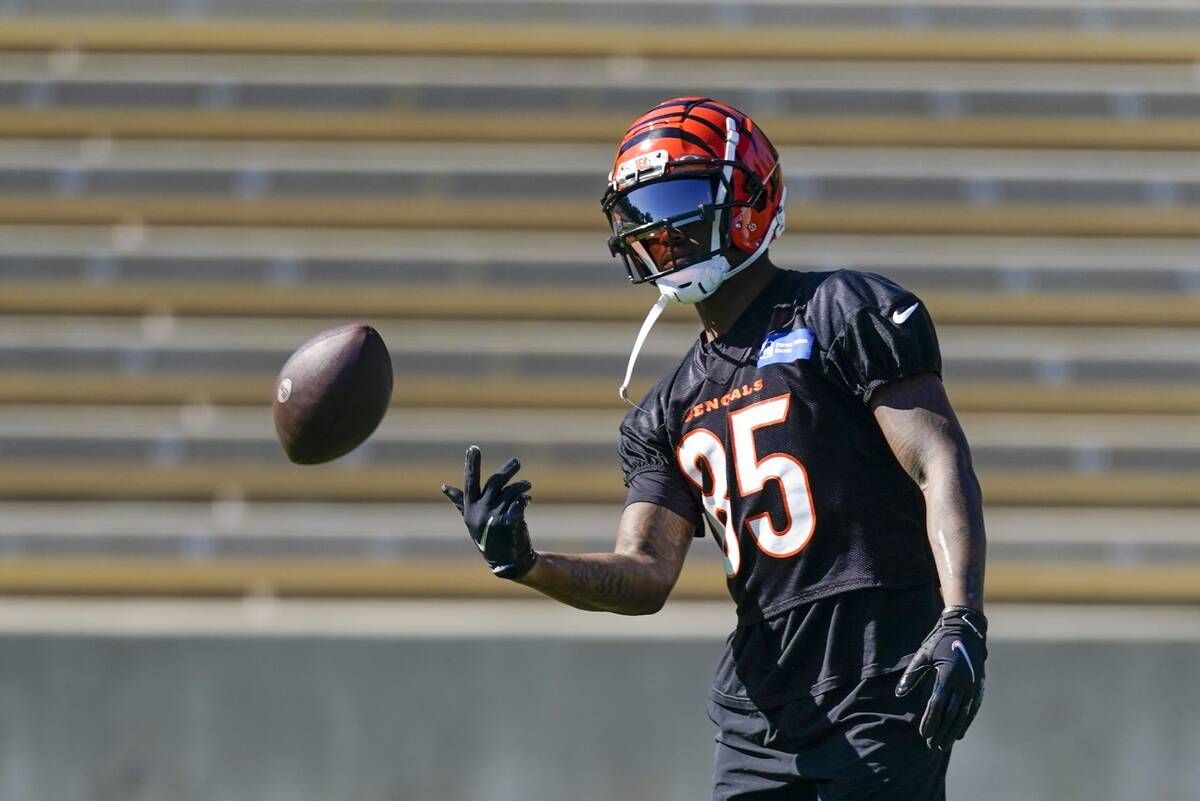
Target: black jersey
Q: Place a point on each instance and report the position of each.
(765, 436)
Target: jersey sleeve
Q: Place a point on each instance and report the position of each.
(648, 463)
(878, 333)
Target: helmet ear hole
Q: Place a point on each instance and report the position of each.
(755, 192)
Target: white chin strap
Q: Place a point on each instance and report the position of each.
(655, 312)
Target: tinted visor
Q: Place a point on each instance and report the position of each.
(664, 226)
(661, 201)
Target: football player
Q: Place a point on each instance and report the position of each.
(807, 430)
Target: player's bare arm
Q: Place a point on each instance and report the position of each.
(920, 426)
(635, 579)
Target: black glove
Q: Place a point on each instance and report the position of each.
(955, 652)
(495, 516)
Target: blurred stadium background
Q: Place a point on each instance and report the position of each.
(191, 188)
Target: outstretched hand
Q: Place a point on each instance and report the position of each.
(495, 515)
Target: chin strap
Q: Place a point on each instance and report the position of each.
(652, 316)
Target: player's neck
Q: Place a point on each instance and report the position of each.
(721, 310)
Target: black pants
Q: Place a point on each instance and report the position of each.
(857, 743)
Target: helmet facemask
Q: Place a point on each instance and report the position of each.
(674, 230)
(666, 225)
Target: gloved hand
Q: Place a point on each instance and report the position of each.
(495, 516)
(954, 652)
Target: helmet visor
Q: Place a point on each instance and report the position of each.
(665, 226)
(661, 201)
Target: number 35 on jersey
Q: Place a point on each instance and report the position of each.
(705, 460)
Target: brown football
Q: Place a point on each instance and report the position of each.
(332, 393)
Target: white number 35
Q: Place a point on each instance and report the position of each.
(751, 475)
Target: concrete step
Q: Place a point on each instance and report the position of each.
(221, 74)
(1122, 629)
(1018, 265)
(577, 172)
(583, 161)
(1108, 533)
(444, 213)
(847, 14)
(1015, 101)
(1082, 130)
(690, 37)
(231, 529)
(544, 440)
(465, 349)
(264, 579)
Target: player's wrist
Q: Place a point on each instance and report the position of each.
(518, 569)
(968, 614)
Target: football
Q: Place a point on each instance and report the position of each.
(332, 393)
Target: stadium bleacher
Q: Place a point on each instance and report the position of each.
(188, 190)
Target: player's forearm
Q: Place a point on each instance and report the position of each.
(627, 584)
(954, 509)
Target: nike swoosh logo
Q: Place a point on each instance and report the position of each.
(483, 537)
(899, 317)
(958, 646)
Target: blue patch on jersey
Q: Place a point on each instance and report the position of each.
(781, 347)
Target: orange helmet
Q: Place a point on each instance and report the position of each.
(695, 181)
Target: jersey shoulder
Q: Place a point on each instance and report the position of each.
(870, 331)
(836, 299)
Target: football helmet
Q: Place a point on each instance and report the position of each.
(695, 195)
